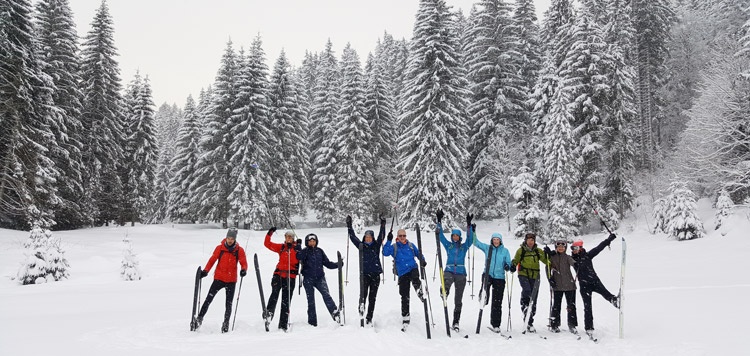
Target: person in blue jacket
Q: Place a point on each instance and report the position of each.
(370, 274)
(313, 259)
(404, 253)
(499, 263)
(455, 264)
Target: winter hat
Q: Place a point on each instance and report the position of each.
(289, 233)
(578, 243)
(456, 232)
(370, 232)
(232, 232)
(311, 237)
(561, 243)
(530, 236)
(497, 235)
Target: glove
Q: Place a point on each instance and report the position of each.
(299, 242)
(506, 267)
(243, 273)
(204, 273)
(289, 245)
(439, 215)
(349, 221)
(272, 230)
(474, 227)
(382, 221)
(512, 268)
(423, 263)
(612, 237)
(340, 264)
(547, 250)
(390, 236)
(469, 217)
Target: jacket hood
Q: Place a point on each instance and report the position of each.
(497, 235)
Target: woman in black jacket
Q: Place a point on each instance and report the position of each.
(369, 250)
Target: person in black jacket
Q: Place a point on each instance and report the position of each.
(589, 281)
(313, 259)
(372, 269)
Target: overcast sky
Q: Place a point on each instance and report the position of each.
(178, 43)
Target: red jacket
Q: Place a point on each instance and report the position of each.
(226, 270)
(287, 258)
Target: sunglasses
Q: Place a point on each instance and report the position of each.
(575, 248)
(561, 244)
(401, 235)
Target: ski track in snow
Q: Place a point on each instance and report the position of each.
(675, 302)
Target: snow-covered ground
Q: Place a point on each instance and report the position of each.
(681, 297)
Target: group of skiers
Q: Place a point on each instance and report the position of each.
(407, 259)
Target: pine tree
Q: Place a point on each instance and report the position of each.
(355, 161)
(58, 48)
(129, 270)
(102, 119)
(323, 137)
(683, 222)
(141, 152)
(724, 207)
(211, 183)
(432, 154)
(529, 216)
(289, 155)
(28, 192)
(184, 164)
(530, 54)
(250, 140)
(44, 259)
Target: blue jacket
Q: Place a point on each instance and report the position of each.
(313, 259)
(455, 253)
(404, 255)
(500, 257)
(370, 252)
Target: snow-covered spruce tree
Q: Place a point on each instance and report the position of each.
(323, 138)
(391, 56)
(559, 169)
(289, 155)
(661, 208)
(183, 165)
(380, 114)
(58, 49)
(495, 111)
(251, 138)
(129, 270)
(529, 217)
(102, 119)
(44, 259)
(431, 148)
(28, 189)
(529, 48)
(683, 222)
(355, 159)
(211, 184)
(168, 122)
(724, 207)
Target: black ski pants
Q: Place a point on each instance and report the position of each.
(321, 285)
(460, 280)
(285, 286)
(570, 300)
(216, 286)
(411, 277)
(497, 286)
(528, 296)
(587, 288)
(369, 292)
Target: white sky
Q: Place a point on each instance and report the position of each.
(178, 44)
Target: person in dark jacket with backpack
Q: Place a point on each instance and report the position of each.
(284, 276)
(404, 253)
(562, 283)
(589, 281)
(528, 257)
(226, 256)
(369, 250)
(455, 264)
(313, 260)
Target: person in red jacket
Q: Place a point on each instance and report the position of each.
(283, 277)
(226, 256)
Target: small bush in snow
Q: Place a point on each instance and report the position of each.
(661, 209)
(44, 259)
(682, 221)
(129, 270)
(724, 208)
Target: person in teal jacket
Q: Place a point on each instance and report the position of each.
(455, 264)
(497, 266)
(404, 253)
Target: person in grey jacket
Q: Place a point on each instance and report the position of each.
(563, 284)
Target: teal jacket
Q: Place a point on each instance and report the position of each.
(500, 257)
(455, 252)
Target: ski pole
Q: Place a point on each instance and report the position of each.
(595, 212)
(510, 296)
(434, 268)
(239, 290)
(346, 281)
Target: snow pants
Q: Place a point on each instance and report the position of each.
(528, 296)
(285, 286)
(411, 277)
(497, 286)
(321, 285)
(216, 286)
(570, 300)
(587, 288)
(460, 280)
(369, 292)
